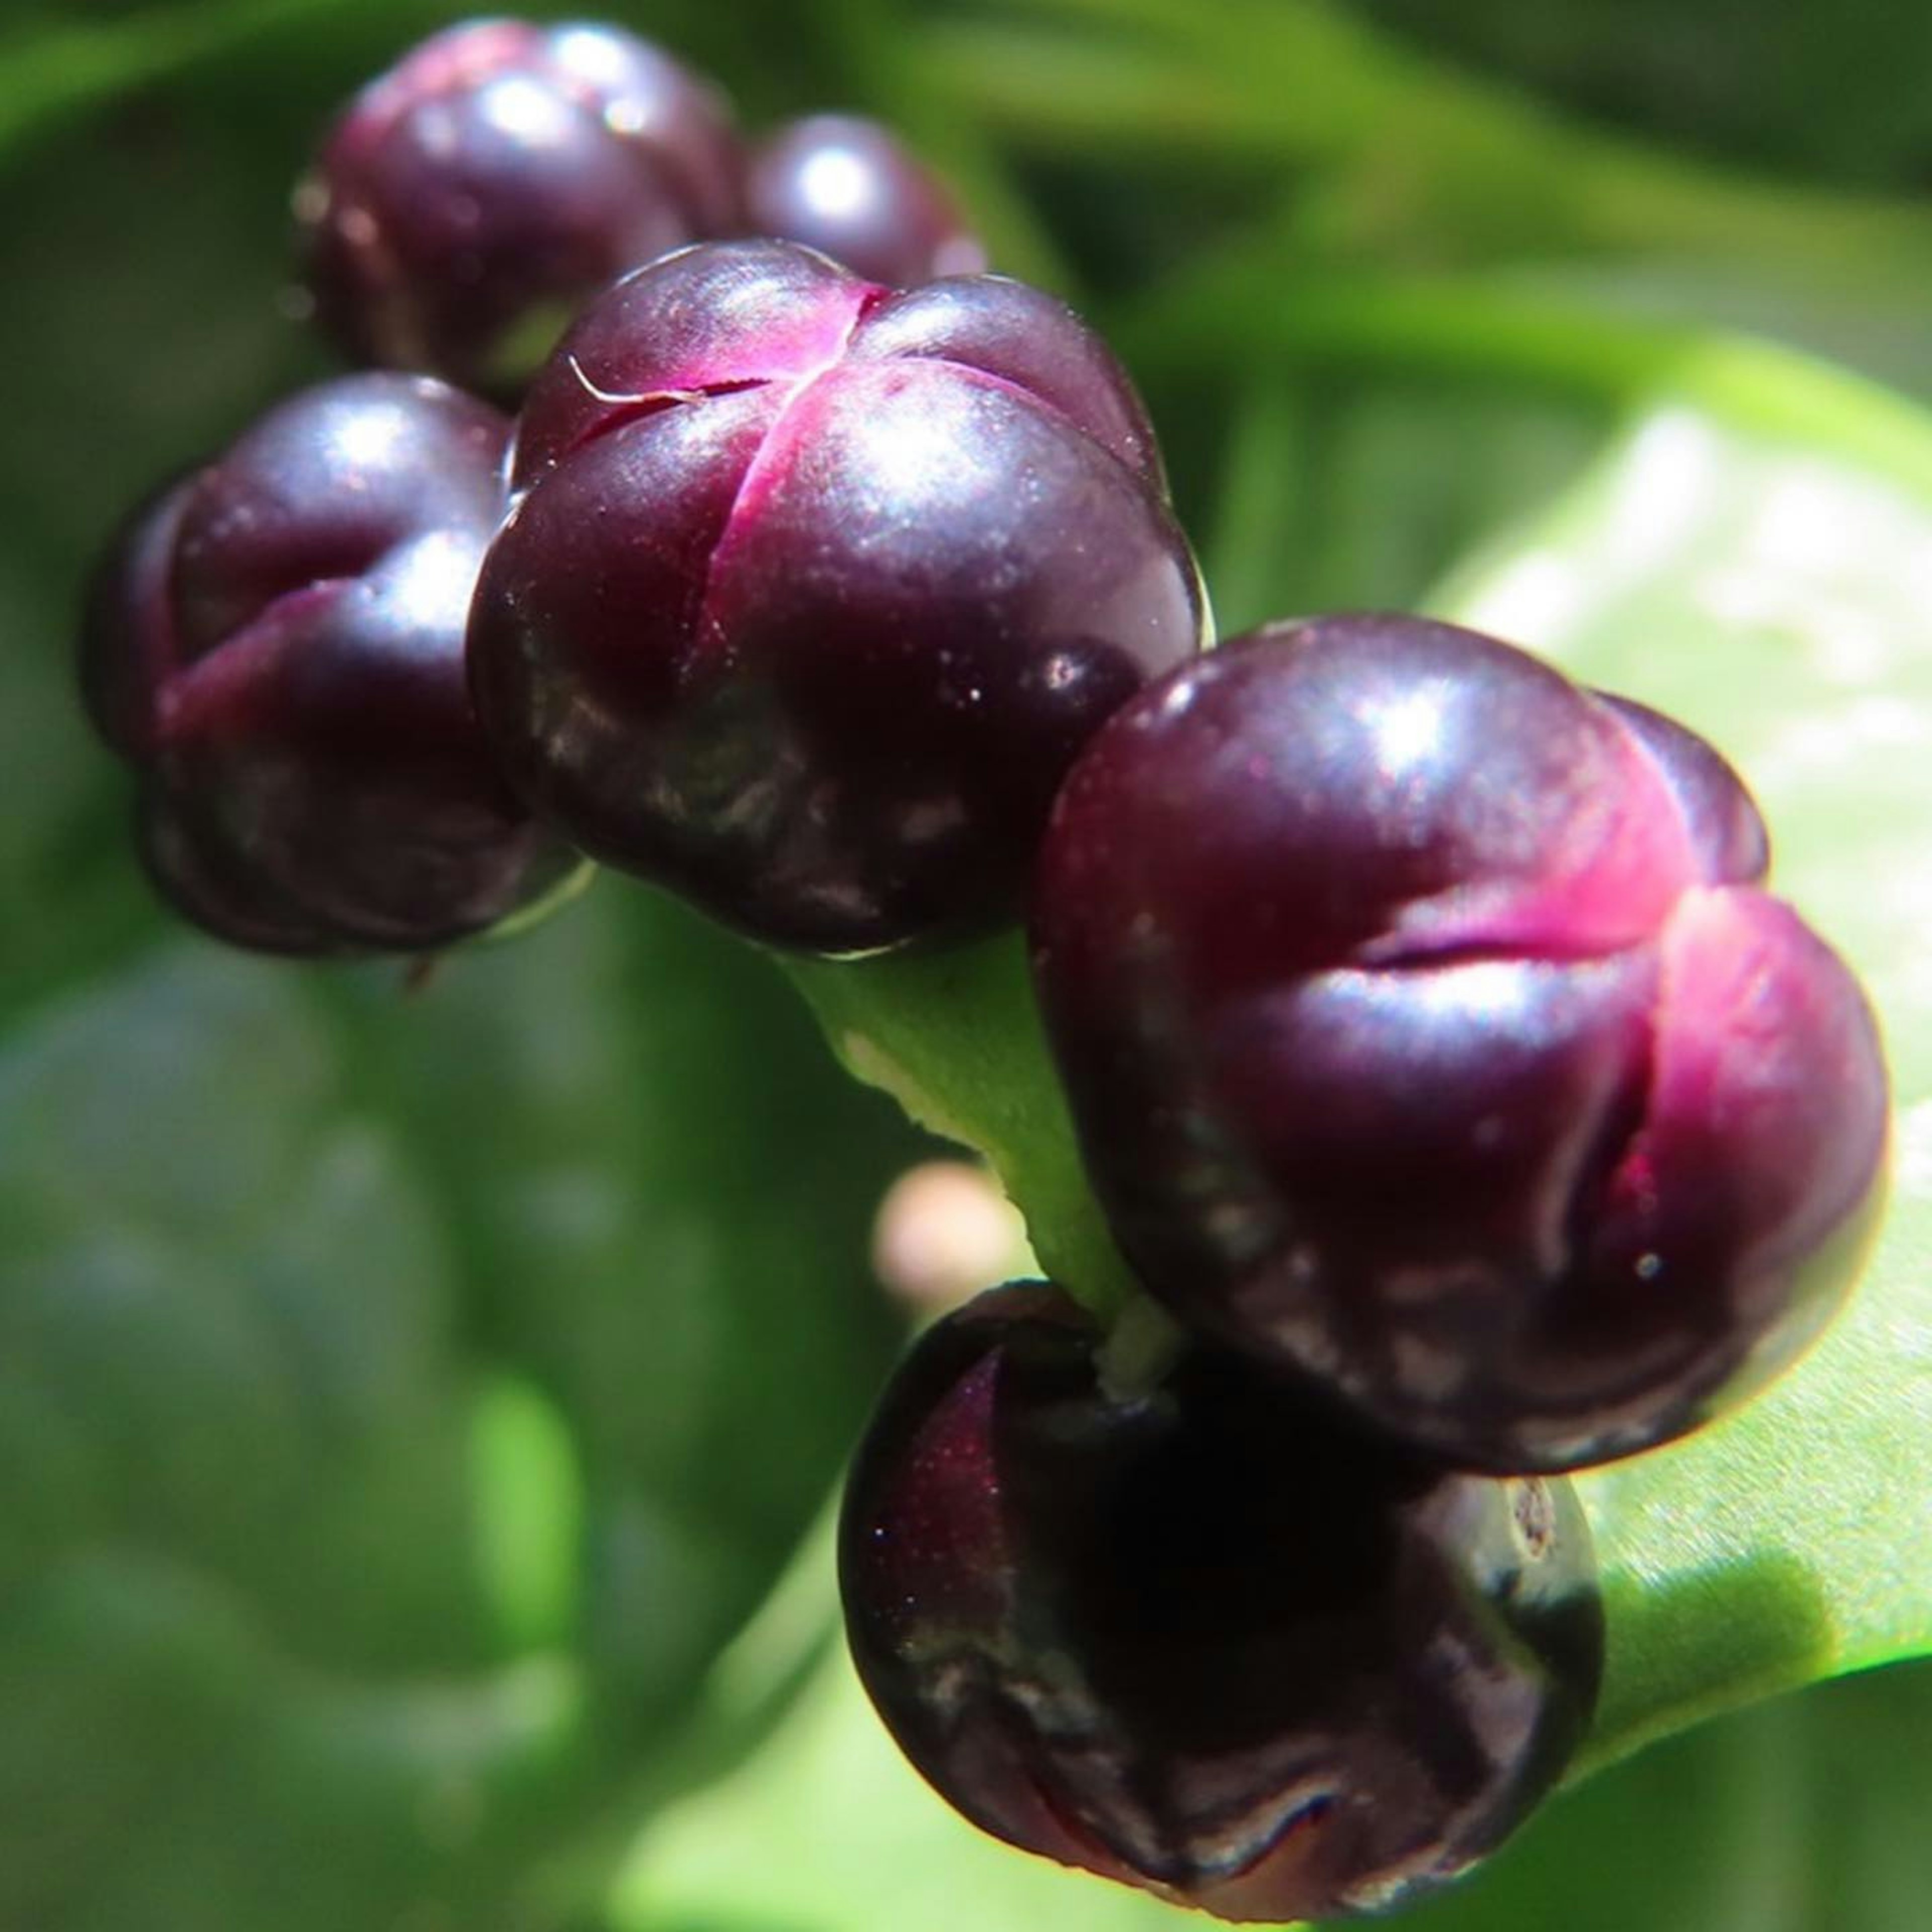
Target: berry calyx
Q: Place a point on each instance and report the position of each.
(1209, 1639)
(812, 590)
(276, 644)
(471, 199)
(1426, 1027)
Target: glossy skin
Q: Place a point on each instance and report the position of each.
(470, 201)
(276, 644)
(1212, 1642)
(813, 591)
(844, 186)
(1426, 1026)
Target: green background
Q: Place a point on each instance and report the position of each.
(415, 1407)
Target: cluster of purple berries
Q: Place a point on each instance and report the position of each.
(474, 198)
(1443, 1068)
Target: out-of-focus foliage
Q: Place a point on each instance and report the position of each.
(1832, 90)
(406, 1399)
(402, 1398)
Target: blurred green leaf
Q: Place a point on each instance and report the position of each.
(660, 1192)
(402, 1398)
(55, 64)
(241, 1600)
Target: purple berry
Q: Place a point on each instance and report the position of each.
(210, 884)
(1208, 1639)
(124, 656)
(1425, 1027)
(813, 591)
(470, 201)
(276, 642)
(844, 186)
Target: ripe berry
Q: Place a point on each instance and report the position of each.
(1425, 1027)
(844, 186)
(276, 642)
(471, 198)
(1209, 1640)
(813, 591)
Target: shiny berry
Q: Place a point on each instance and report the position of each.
(845, 186)
(470, 200)
(1206, 1639)
(276, 644)
(812, 591)
(1426, 1026)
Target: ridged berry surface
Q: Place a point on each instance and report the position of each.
(813, 591)
(1209, 1640)
(1426, 1026)
(276, 644)
(847, 187)
(471, 198)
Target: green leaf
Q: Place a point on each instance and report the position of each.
(232, 1455)
(403, 1397)
(55, 66)
(660, 1192)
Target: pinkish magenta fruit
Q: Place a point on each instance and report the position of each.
(1209, 1639)
(813, 591)
(1425, 1027)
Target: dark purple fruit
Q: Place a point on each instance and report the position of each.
(1425, 1027)
(276, 644)
(845, 186)
(813, 591)
(1211, 1640)
(469, 202)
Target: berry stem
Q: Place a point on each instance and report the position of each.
(954, 1037)
(1144, 1343)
